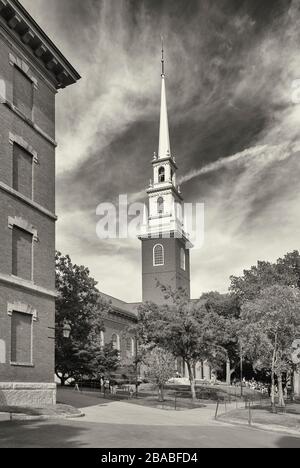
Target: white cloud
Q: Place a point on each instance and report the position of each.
(252, 205)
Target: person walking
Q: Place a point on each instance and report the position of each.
(101, 384)
(106, 386)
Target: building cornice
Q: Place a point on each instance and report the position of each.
(156, 161)
(122, 312)
(169, 187)
(157, 235)
(22, 27)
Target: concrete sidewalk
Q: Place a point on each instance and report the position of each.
(127, 413)
(97, 410)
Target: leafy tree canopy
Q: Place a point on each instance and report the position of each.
(80, 304)
(270, 323)
(285, 271)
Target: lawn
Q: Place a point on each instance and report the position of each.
(290, 418)
(55, 410)
(179, 396)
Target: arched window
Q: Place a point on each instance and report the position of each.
(130, 347)
(160, 205)
(158, 255)
(182, 259)
(115, 339)
(161, 174)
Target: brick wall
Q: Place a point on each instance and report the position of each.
(21, 254)
(21, 338)
(43, 115)
(169, 274)
(44, 248)
(43, 337)
(117, 325)
(22, 171)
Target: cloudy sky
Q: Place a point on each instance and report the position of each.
(232, 70)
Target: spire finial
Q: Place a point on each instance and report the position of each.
(162, 57)
(164, 150)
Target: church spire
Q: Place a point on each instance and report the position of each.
(164, 136)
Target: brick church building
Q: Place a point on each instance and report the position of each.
(32, 70)
(165, 244)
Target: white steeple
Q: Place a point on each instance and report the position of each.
(164, 135)
(164, 216)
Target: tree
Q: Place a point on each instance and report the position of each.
(132, 364)
(181, 327)
(271, 322)
(104, 359)
(160, 367)
(78, 303)
(285, 271)
(227, 332)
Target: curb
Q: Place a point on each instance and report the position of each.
(263, 427)
(43, 417)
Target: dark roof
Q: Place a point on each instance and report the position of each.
(20, 24)
(125, 307)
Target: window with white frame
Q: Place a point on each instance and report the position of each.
(23, 92)
(23, 237)
(158, 255)
(22, 246)
(130, 347)
(115, 339)
(21, 347)
(22, 171)
(21, 338)
(24, 158)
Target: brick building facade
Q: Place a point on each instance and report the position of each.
(32, 70)
(121, 316)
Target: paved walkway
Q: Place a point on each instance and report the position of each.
(123, 424)
(97, 410)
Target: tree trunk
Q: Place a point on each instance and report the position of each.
(280, 390)
(161, 396)
(292, 379)
(228, 376)
(273, 381)
(62, 377)
(229, 372)
(192, 380)
(136, 380)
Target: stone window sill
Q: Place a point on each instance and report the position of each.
(30, 122)
(28, 201)
(20, 364)
(22, 280)
(27, 285)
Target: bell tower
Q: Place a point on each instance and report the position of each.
(165, 245)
